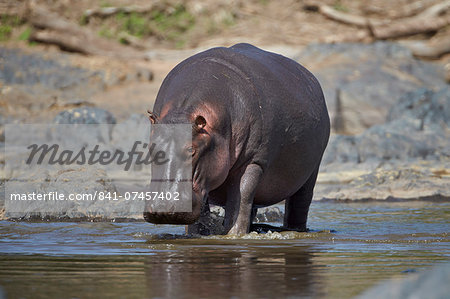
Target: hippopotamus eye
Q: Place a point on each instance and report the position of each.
(190, 150)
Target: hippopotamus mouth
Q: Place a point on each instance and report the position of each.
(198, 201)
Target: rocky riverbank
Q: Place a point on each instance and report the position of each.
(407, 157)
(390, 113)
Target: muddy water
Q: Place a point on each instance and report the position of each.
(351, 247)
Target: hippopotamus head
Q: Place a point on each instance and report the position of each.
(205, 152)
(192, 94)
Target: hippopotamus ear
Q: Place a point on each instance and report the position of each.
(199, 123)
(152, 117)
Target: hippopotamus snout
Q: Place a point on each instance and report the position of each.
(174, 176)
(176, 217)
(171, 218)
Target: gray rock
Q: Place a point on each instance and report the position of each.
(70, 103)
(408, 157)
(431, 108)
(431, 284)
(341, 149)
(56, 71)
(85, 115)
(420, 132)
(370, 77)
(218, 211)
(136, 127)
(96, 118)
(34, 84)
(269, 214)
(391, 182)
(87, 181)
(51, 71)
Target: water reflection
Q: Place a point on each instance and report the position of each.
(372, 242)
(265, 271)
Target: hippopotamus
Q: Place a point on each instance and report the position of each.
(260, 127)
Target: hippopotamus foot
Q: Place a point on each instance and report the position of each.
(297, 206)
(239, 206)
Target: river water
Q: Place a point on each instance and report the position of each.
(351, 247)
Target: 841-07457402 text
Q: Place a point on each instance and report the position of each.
(97, 195)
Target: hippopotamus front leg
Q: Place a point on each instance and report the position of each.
(240, 194)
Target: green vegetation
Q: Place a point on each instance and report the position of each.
(5, 32)
(7, 24)
(177, 20)
(134, 24)
(84, 20)
(123, 41)
(229, 19)
(25, 35)
(339, 6)
(106, 32)
(172, 24)
(169, 24)
(212, 27)
(105, 4)
(179, 44)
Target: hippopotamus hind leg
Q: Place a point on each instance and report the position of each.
(297, 206)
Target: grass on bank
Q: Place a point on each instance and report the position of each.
(170, 24)
(7, 24)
